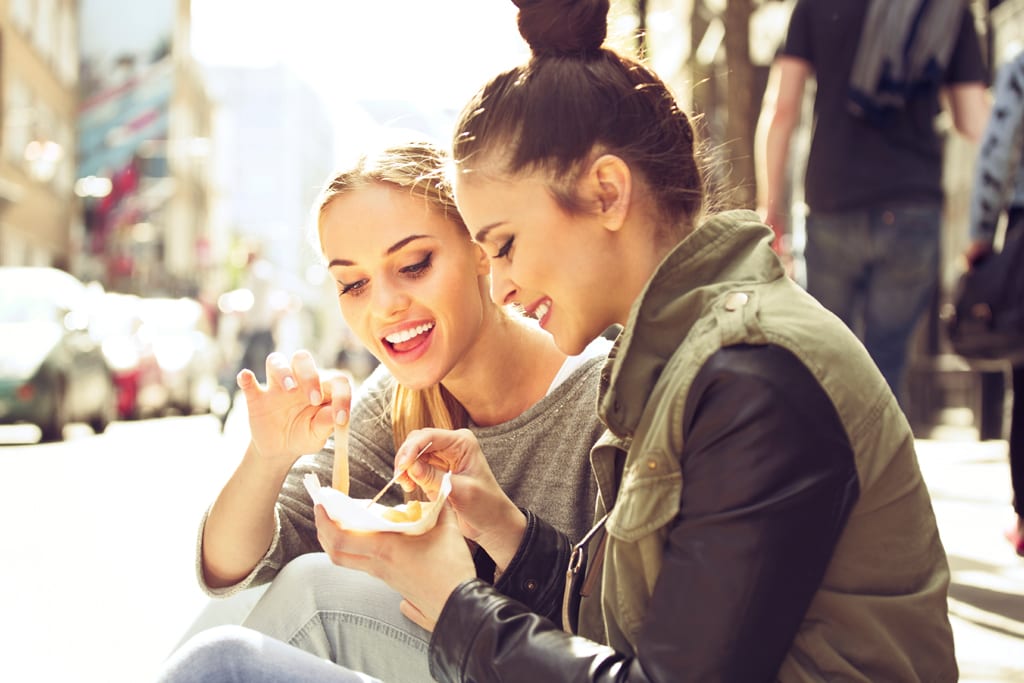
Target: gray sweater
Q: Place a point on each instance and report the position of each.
(540, 459)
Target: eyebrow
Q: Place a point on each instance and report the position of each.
(390, 250)
(481, 235)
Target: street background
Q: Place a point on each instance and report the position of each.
(99, 545)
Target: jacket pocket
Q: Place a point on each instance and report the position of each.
(648, 498)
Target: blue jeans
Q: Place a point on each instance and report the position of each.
(315, 622)
(234, 654)
(877, 269)
(343, 616)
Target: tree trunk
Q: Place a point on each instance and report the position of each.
(640, 7)
(742, 113)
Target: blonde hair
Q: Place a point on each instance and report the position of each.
(418, 167)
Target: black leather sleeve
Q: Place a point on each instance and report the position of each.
(536, 575)
(769, 480)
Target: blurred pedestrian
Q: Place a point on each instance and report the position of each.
(999, 191)
(873, 184)
(259, 322)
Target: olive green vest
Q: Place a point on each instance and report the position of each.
(880, 612)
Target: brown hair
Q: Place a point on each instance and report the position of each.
(574, 97)
(419, 168)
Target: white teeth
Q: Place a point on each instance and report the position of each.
(541, 311)
(406, 335)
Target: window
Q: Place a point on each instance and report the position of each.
(66, 54)
(45, 36)
(17, 120)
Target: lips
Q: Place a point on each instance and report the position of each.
(409, 338)
(539, 310)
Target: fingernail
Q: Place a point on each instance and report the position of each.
(341, 417)
(289, 383)
(315, 397)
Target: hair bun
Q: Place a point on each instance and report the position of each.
(563, 27)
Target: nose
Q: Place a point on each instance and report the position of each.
(503, 289)
(388, 299)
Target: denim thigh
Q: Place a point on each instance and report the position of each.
(905, 270)
(343, 615)
(234, 654)
(838, 254)
(877, 269)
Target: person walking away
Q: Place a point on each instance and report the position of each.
(999, 189)
(260, 321)
(873, 184)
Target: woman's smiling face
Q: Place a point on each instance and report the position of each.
(558, 266)
(411, 283)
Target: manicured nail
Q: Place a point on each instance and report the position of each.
(341, 417)
(289, 383)
(315, 398)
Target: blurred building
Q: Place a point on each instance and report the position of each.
(274, 149)
(143, 149)
(38, 69)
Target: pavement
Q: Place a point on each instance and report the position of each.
(971, 493)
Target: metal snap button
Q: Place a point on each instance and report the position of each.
(736, 300)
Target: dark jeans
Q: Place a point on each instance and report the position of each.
(877, 269)
(997, 386)
(257, 345)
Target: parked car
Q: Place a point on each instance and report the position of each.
(189, 358)
(52, 370)
(129, 352)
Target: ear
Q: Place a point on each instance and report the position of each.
(609, 184)
(483, 264)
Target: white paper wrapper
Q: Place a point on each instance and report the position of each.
(353, 514)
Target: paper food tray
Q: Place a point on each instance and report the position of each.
(352, 513)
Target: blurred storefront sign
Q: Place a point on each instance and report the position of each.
(126, 84)
(144, 201)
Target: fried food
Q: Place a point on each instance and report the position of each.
(339, 477)
(409, 512)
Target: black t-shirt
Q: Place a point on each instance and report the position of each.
(853, 164)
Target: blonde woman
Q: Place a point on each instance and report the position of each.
(414, 287)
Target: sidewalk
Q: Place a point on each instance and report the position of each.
(970, 486)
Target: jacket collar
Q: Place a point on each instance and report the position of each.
(727, 251)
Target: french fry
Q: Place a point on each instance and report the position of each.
(339, 477)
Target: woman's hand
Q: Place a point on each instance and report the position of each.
(297, 409)
(485, 514)
(423, 569)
